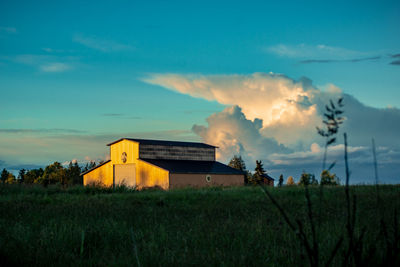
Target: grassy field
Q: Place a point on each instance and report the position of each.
(214, 226)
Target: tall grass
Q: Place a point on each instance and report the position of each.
(356, 251)
(211, 226)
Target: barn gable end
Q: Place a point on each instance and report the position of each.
(147, 163)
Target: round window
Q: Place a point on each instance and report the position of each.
(123, 157)
(208, 178)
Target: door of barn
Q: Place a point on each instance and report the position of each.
(125, 174)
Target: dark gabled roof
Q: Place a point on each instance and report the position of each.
(193, 166)
(164, 143)
(268, 177)
(105, 162)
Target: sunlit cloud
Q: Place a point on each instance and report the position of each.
(283, 104)
(66, 163)
(273, 117)
(233, 133)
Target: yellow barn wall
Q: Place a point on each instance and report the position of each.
(148, 175)
(129, 147)
(102, 175)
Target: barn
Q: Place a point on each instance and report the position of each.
(267, 180)
(145, 163)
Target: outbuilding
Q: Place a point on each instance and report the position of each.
(267, 180)
(145, 163)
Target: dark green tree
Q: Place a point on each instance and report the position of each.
(308, 179)
(4, 175)
(328, 178)
(280, 183)
(21, 176)
(53, 174)
(259, 168)
(73, 173)
(92, 164)
(237, 163)
(258, 173)
(248, 177)
(32, 176)
(11, 178)
(86, 167)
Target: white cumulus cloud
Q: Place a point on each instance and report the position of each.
(233, 133)
(273, 117)
(284, 105)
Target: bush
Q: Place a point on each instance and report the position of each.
(308, 179)
(290, 180)
(328, 178)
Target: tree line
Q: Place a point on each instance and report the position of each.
(54, 173)
(261, 176)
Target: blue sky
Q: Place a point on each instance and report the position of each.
(76, 75)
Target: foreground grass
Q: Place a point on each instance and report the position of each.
(214, 226)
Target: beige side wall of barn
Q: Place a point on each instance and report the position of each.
(199, 180)
(102, 175)
(149, 175)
